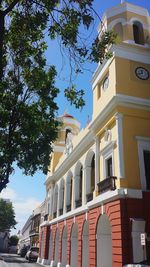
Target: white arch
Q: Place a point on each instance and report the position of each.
(88, 173)
(136, 19)
(64, 247)
(74, 246)
(78, 184)
(116, 21)
(88, 157)
(104, 242)
(77, 168)
(85, 245)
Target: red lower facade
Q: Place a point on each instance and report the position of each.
(103, 233)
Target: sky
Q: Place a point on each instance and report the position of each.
(25, 192)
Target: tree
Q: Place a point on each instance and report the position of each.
(7, 215)
(13, 240)
(28, 108)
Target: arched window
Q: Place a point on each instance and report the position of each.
(138, 33)
(93, 174)
(78, 189)
(90, 175)
(61, 197)
(55, 201)
(119, 30)
(69, 192)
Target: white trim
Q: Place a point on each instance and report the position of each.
(132, 53)
(58, 148)
(71, 121)
(100, 72)
(119, 117)
(143, 144)
(98, 201)
(116, 21)
(125, 7)
(123, 50)
(125, 22)
(119, 99)
(108, 152)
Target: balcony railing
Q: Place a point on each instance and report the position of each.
(60, 211)
(78, 203)
(34, 231)
(54, 215)
(89, 197)
(68, 208)
(107, 184)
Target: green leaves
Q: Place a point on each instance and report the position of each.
(7, 216)
(28, 108)
(100, 47)
(75, 96)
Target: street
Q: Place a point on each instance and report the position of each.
(14, 260)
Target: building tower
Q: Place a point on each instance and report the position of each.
(98, 213)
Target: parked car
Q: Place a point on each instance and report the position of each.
(32, 254)
(23, 251)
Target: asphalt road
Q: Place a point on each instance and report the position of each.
(13, 260)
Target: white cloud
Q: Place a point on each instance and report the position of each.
(23, 207)
(8, 193)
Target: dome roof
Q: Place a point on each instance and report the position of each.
(66, 115)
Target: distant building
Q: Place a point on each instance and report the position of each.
(24, 237)
(4, 241)
(98, 186)
(29, 235)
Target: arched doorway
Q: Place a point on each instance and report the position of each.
(50, 253)
(85, 245)
(104, 242)
(74, 246)
(64, 247)
(56, 255)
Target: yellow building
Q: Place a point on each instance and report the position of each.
(98, 186)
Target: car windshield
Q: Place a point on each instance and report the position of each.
(35, 249)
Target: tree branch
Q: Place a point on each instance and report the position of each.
(10, 8)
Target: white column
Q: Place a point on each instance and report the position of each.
(97, 161)
(76, 187)
(65, 196)
(51, 200)
(84, 182)
(88, 179)
(120, 151)
(58, 199)
(73, 193)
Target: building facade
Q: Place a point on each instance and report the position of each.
(98, 185)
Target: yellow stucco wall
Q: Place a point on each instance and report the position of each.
(135, 123)
(126, 80)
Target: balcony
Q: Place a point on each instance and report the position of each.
(68, 208)
(107, 184)
(78, 203)
(89, 197)
(34, 231)
(54, 215)
(60, 211)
